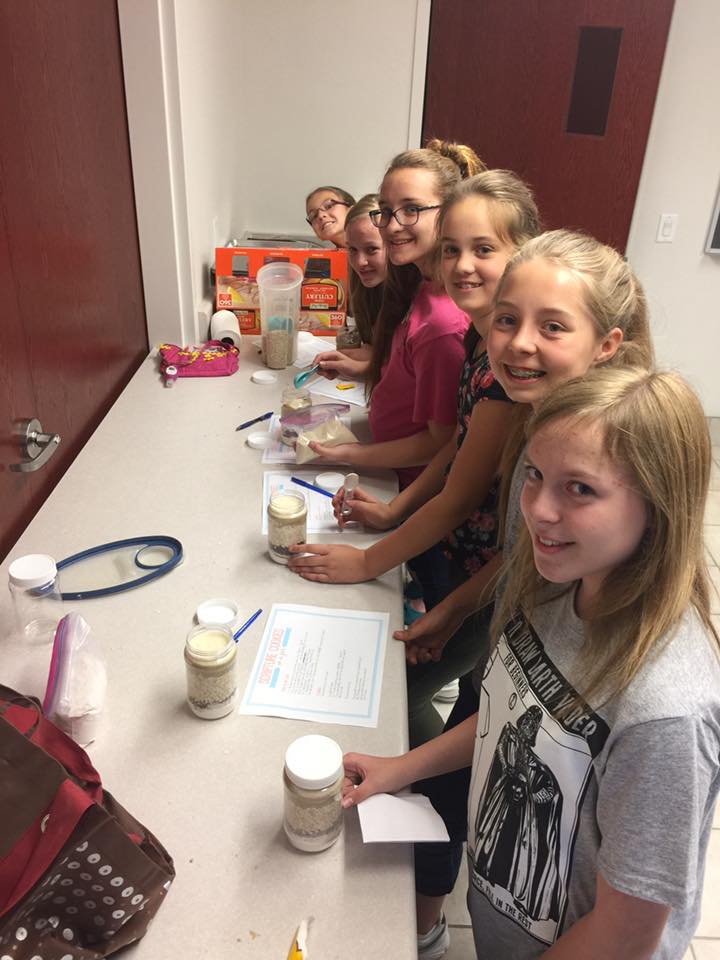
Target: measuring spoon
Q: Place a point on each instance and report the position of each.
(300, 379)
(351, 482)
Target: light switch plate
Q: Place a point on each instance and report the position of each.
(667, 225)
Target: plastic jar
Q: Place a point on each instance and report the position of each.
(293, 400)
(287, 523)
(210, 663)
(313, 778)
(36, 597)
(348, 337)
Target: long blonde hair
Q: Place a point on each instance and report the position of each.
(613, 297)
(654, 428)
(449, 163)
(365, 302)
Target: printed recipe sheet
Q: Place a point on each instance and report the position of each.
(319, 664)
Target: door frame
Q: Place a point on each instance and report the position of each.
(150, 68)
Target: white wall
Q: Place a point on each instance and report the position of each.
(329, 94)
(210, 86)
(681, 175)
(237, 109)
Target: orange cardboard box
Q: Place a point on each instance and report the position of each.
(323, 296)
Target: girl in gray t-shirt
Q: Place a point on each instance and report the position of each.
(596, 749)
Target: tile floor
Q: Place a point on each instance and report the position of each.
(706, 945)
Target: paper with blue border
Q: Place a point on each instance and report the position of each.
(321, 664)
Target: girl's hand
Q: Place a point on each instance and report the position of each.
(333, 364)
(364, 508)
(329, 563)
(340, 453)
(366, 775)
(426, 638)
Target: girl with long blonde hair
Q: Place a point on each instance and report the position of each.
(600, 703)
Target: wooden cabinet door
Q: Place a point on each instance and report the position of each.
(72, 329)
(528, 84)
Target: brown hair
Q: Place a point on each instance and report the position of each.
(365, 302)
(338, 191)
(513, 213)
(449, 163)
(654, 427)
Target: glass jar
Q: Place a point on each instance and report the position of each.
(313, 779)
(293, 400)
(36, 597)
(210, 664)
(287, 523)
(348, 337)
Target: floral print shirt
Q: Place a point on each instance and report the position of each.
(472, 544)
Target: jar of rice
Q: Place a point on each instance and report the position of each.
(287, 523)
(210, 664)
(313, 778)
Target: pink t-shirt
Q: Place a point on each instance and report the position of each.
(420, 378)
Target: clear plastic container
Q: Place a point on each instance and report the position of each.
(279, 287)
(211, 667)
(287, 523)
(293, 400)
(36, 597)
(313, 779)
(348, 337)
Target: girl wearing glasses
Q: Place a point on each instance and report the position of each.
(418, 339)
(326, 210)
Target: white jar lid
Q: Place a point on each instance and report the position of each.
(313, 762)
(34, 570)
(259, 440)
(330, 481)
(263, 376)
(217, 610)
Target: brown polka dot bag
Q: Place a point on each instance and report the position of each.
(79, 876)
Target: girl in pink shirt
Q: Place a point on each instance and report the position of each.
(418, 341)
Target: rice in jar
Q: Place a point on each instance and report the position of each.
(211, 668)
(313, 779)
(287, 523)
(293, 400)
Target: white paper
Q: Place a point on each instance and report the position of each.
(277, 452)
(405, 818)
(321, 664)
(309, 346)
(320, 518)
(339, 390)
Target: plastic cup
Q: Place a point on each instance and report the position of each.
(279, 286)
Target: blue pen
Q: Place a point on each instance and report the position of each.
(311, 486)
(249, 423)
(248, 623)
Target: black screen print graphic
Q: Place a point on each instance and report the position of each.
(518, 822)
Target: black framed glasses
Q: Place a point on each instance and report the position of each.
(406, 216)
(324, 207)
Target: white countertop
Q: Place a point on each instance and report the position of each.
(168, 461)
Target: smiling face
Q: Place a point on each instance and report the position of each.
(542, 334)
(473, 258)
(366, 251)
(328, 223)
(582, 512)
(410, 187)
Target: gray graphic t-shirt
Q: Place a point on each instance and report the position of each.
(554, 800)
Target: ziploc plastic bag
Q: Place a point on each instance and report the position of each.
(295, 423)
(77, 680)
(330, 432)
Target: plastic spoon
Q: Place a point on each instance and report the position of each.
(300, 379)
(351, 481)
